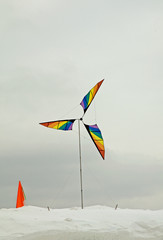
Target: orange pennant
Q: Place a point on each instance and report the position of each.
(20, 196)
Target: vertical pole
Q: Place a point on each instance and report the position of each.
(81, 184)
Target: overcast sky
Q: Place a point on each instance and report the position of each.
(52, 52)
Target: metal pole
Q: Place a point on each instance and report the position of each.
(81, 184)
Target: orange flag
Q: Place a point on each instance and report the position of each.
(20, 196)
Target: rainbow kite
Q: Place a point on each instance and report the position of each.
(93, 130)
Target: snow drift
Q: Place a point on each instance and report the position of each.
(96, 222)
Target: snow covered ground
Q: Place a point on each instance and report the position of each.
(91, 223)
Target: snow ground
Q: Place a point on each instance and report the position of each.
(90, 223)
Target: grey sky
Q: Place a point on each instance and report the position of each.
(52, 54)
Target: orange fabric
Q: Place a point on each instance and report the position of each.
(20, 196)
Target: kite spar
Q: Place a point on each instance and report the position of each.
(92, 130)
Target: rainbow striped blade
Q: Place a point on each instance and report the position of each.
(64, 125)
(90, 96)
(96, 136)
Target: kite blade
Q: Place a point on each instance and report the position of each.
(90, 96)
(96, 136)
(64, 125)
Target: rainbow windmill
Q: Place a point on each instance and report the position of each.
(92, 130)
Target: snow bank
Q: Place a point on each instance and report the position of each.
(97, 222)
